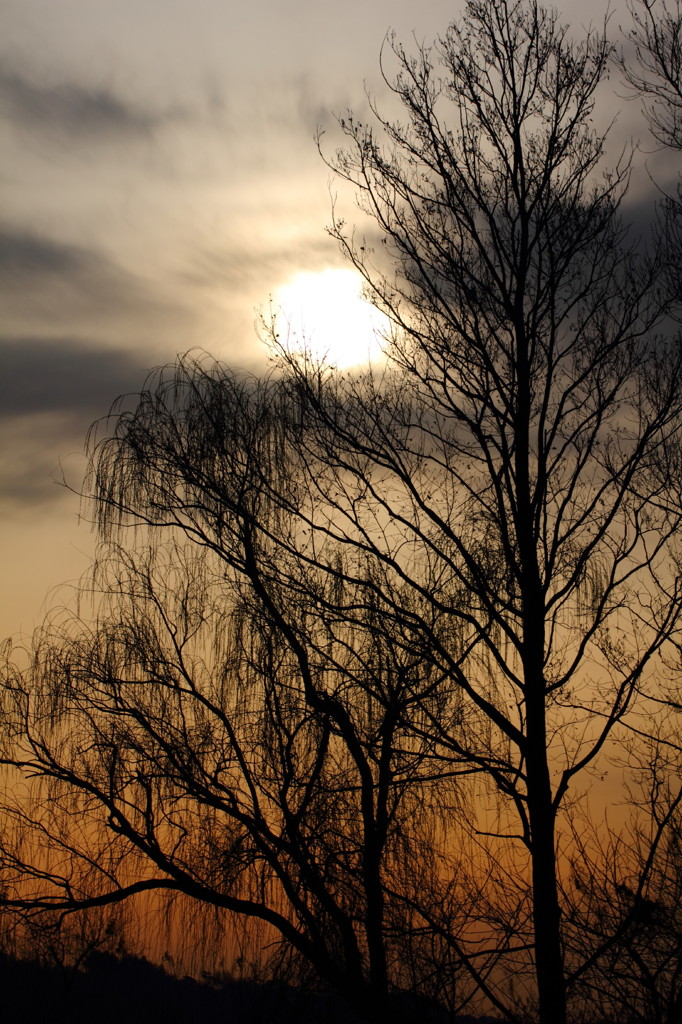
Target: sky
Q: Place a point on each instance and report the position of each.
(160, 182)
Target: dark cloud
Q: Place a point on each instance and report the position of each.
(46, 376)
(27, 255)
(51, 287)
(50, 392)
(75, 110)
(30, 474)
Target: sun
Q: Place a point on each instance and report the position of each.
(325, 314)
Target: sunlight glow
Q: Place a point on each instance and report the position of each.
(324, 313)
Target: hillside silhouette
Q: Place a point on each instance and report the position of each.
(110, 989)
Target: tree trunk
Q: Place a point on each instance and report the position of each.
(546, 912)
(549, 968)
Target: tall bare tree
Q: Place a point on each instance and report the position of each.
(534, 396)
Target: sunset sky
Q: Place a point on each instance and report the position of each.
(160, 182)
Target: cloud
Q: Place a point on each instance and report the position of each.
(77, 111)
(41, 375)
(50, 392)
(24, 255)
(246, 265)
(30, 469)
(53, 288)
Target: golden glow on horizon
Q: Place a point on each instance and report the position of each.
(325, 314)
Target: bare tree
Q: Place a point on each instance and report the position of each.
(533, 397)
(623, 901)
(215, 732)
(654, 72)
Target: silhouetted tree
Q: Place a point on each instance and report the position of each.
(625, 903)
(533, 398)
(217, 731)
(376, 626)
(654, 71)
